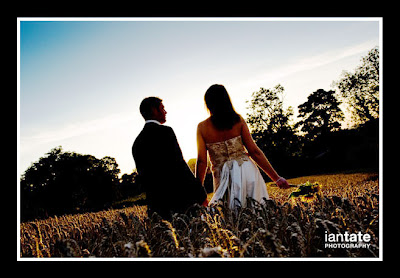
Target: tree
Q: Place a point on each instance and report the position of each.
(361, 89)
(321, 114)
(130, 185)
(270, 126)
(268, 121)
(67, 182)
(266, 111)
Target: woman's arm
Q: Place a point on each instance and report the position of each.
(201, 163)
(256, 154)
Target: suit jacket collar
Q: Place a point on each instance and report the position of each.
(152, 121)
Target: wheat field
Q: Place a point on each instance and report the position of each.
(281, 227)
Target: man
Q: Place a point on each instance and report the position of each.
(169, 184)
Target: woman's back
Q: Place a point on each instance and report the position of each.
(235, 176)
(212, 135)
(227, 139)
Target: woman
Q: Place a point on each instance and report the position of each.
(226, 137)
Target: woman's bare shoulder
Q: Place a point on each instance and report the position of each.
(242, 121)
(203, 124)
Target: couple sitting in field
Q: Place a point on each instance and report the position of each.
(170, 185)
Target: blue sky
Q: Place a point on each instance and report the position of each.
(81, 82)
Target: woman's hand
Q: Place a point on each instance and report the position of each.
(282, 183)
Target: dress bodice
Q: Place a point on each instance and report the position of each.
(226, 152)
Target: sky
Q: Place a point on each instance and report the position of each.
(81, 81)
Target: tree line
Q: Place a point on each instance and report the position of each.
(67, 182)
(316, 142)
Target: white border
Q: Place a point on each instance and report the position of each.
(381, 139)
(18, 139)
(228, 19)
(248, 19)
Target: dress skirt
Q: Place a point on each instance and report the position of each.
(239, 181)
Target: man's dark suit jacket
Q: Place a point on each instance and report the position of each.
(169, 184)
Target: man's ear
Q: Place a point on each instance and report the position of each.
(154, 112)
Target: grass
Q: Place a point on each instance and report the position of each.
(278, 228)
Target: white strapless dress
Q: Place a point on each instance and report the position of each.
(235, 175)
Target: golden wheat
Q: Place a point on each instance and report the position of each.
(277, 228)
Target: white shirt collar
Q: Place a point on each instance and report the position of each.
(153, 121)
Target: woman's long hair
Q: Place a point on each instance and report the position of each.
(219, 104)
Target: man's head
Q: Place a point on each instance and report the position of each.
(152, 108)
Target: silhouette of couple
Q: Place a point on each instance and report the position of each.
(170, 185)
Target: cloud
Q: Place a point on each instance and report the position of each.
(109, 135)
(310, 62)
(59, 134)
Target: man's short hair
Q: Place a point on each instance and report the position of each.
(147, 105)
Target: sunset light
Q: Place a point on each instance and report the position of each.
(81, 81)
(199, 138)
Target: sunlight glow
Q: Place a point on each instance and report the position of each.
(80, 81)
